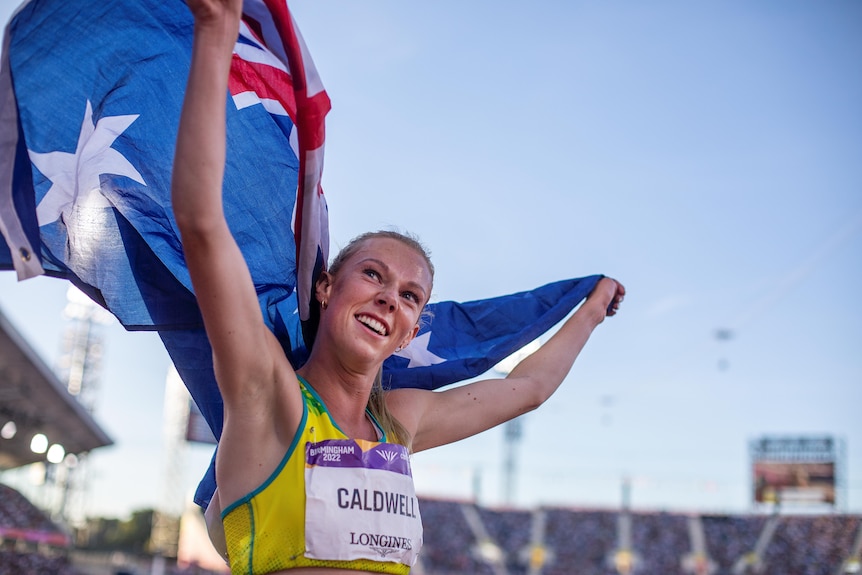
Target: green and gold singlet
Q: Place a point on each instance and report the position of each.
(332, 502)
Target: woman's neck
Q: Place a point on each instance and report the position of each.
(345, 395)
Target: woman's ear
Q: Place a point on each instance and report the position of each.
(410, 336)
(323, 286)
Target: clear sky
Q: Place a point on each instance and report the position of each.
(706, 154)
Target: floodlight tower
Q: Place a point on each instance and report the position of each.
(79, 366)
(164, 537)
(513, 429)
(81, 359)
(512, 433)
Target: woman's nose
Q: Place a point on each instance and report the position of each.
(386, 297)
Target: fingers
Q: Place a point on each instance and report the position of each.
(211, 11)
(616, 299)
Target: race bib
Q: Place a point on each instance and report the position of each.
(360, 502)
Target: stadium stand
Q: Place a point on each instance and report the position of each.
(23, 520)
(510, 530)
(586, 542)
(662, 541)
(30, 543)
(454, 542)
(580, 541)
(36, 401)
(728, 538)
(811, 545)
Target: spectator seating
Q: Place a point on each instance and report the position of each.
(586, 542)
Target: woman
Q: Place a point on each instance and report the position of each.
(310, 479)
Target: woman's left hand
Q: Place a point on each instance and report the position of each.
(609, 293)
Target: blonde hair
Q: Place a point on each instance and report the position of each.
(405, 238)
(394, 430)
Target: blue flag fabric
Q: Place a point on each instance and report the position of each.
(90, 97)
(463, 340)
(98, 89)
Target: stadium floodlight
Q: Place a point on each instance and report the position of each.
(8, 430)
(80, 307)
(489, 552)
(71, 460)
(39, 443)
(56, 453)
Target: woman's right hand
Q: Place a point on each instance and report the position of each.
(211, 11)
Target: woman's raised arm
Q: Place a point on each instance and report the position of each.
(242, 345)
(438, 418)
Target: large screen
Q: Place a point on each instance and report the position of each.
(794, 482)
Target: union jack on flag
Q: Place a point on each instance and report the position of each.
(272, 66)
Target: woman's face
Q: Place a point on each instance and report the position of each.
(374, 303)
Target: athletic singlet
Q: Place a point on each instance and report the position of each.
(332, 502)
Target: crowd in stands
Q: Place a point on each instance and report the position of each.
(453, 550)
(730, 537)
(812, 545)
(17, 512)
(34, 562)
(510, 530)
(661, 540)
(579, 541)
(587, 542)
(31, 542)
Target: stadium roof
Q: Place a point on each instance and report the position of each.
(35, 399)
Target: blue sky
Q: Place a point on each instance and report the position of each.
(705, 154)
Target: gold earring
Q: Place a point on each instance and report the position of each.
(323, 304)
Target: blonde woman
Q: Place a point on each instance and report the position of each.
(313, 465)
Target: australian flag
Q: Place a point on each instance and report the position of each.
(90, 98)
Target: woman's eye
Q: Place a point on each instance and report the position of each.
(371, 273)
(411, 296)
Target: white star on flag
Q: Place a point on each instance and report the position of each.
(75, 177)
(417, 352)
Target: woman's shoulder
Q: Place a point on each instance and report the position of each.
(407, 405)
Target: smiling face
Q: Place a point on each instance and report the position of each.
(375, 299)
